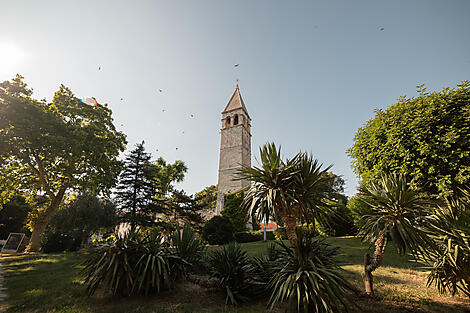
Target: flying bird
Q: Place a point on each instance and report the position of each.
(163, 110)
(176, 148)
(99, 68)
(160, 90)
(192, 115)
(381, 28)
(236, 65)
(122, 99)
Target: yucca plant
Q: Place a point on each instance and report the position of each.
(188, 246)
(131, 264)
(311, 281)
(110, 264)
(396, 211)
(293, 190)
(157, 267)
(231, 265)
(449, 226)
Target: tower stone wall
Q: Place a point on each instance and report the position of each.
(235, 147)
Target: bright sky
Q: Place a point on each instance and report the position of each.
(311, 72)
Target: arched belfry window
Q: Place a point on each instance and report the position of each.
(235, 120)
(227, 122)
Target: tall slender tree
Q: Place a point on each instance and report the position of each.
(135, 190)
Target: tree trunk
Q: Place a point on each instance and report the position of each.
(38, 229)
(291, 223)
(368, 278)
(372, 265)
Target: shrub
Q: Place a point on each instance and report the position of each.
(218, 231)
(132, 264)
(52, 242)
(339, 223)
(242, 237)
(231, 265)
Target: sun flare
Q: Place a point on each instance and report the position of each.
(10, 56)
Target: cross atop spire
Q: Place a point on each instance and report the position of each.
(236, 102)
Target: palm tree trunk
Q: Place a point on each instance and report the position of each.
(291, 223)
(372, 265)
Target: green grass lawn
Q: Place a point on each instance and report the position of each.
(52, 283)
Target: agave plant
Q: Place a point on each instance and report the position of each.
(398, 212)
(312, 281)
(231, 265)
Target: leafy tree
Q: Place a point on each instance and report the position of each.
(357, 208)
(396, 211)
(235, 211)
(182, 209)
(13, 216)
(136, 190)
(166, 174)
(207, 198)
(425, 137)
(84, 216)
(54, 148)
(338, 220)
(293, 190)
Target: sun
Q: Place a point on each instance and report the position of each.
(10, 56)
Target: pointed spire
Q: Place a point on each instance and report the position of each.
(236, 102)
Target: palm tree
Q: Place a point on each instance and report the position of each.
(397, 212)
(291, 190)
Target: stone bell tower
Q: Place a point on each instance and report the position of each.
(235, 147)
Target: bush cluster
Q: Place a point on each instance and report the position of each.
(218, 231)
(242, 237)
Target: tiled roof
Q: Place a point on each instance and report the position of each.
(268, 225)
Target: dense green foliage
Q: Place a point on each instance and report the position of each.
(53, 242)
(245, 236)
(85, 215)
(425, 137)
(218, 231)
(13, 217)
(207, 198)
(357, 208)
(54, 148)
(235, 211)
(136, 190)
(338, 223)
